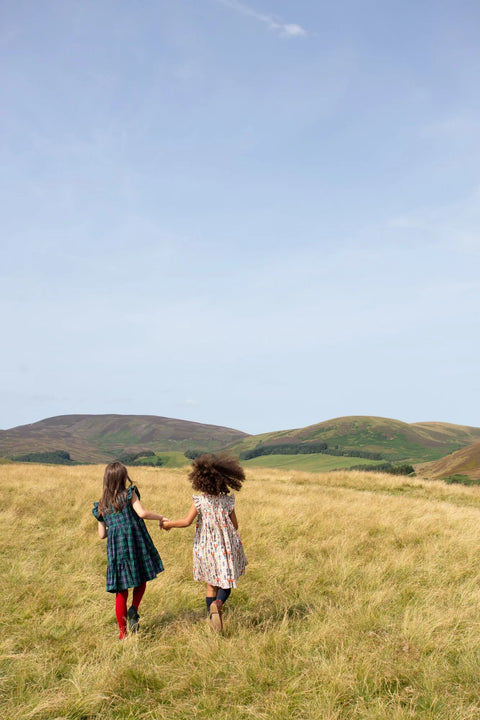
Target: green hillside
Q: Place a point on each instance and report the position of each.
(316, 462)
(170, 459)
(394, 439)
(463, 463)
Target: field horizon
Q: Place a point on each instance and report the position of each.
(360, 602)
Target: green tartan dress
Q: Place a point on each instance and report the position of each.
(132, 558)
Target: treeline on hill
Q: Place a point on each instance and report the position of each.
(193, 454)
(144, 457)
(51, 457)
(306, 449)
(62, 457)
(404, 469)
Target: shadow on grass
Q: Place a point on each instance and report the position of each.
(257, 619)
(268, 616)
(170, 617)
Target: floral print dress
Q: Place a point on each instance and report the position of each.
(218, 556)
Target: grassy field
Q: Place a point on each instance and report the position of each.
(316, 462)
(171, 459)
(361, 602)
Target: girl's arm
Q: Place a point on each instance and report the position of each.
(183, 522)
(143, 512)
(234, 520)
(102, 530)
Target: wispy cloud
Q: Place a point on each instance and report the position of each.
(271, 21)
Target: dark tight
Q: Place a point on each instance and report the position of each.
(222, 594)
(121, 606)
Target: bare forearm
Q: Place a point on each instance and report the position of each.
(150, 515)
(142, 512)
(182, 523)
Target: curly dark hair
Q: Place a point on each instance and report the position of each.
(216, 474)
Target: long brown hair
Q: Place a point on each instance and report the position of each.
(216, 474)
(115, 480)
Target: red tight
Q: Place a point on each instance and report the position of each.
(121, 606)
(138, 595)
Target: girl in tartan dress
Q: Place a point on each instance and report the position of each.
(132, 558)
(218, 556)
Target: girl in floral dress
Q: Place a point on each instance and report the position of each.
(132, 558)
(218, 556)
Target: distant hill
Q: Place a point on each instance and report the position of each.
(100, 438)
(464, 462)
(394, 439)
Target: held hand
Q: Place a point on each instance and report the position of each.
(166, 524)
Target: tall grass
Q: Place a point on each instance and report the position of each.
(361, 602)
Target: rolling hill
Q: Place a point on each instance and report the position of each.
(99, 438)
(464, 462)
(394, 439)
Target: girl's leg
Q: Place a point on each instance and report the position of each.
(133, 616)
(138, 595)
(211, 595)
(214, 608)
(223, 594)
(121, 612)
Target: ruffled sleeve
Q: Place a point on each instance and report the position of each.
(131, 490)
(96, 513)
(198, 503)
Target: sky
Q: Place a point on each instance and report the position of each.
(260, 215)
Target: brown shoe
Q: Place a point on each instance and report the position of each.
(215, 617)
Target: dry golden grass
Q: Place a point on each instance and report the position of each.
(360, 602)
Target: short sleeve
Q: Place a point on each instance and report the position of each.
(197, 502)
(230, 503)
(131, 490)
(96, 513)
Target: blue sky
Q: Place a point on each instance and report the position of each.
(261, 215)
